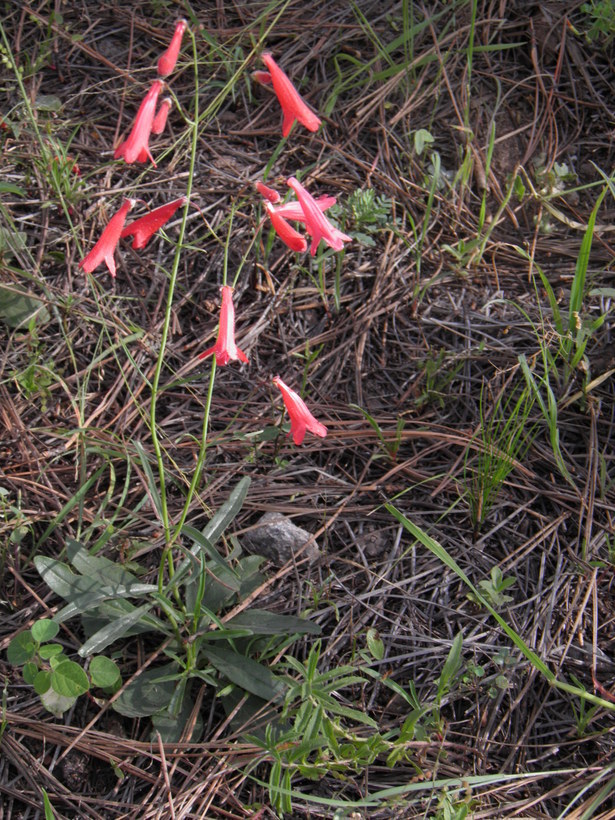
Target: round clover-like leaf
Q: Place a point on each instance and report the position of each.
(21, 649)
(56, 704)
(104, 672)
(42, 682)
(51, 650)
(29, 672)
(44, 630)
(69, 680)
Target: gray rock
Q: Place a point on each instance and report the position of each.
(276, 537)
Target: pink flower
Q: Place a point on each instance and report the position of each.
(168, 60)
(316, 223)
(104, 249)
(225, 349)
(136, 147)
(286, 232)
(293, 106)
(269, 193)
(146, 226)
(300, 417)
(160, 120)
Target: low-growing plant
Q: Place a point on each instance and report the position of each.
(503, 438)
(389, 445)
(56, 679)
(494, 589)
(187, 616)
(437, 370)
(318, 733)
(366, 214)
(601, 14)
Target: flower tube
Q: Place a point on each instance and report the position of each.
(136, 147)
(286, 232)
(225, 349)
(301, 419)
(268, 193)
(294, 211)
(316, 223)
(146, 226)
(104, 249)
(293, 105)
(168, 60)
(160, 120)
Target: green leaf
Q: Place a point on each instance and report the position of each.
(29, 672)
(261, 622)
(375, 644)
(9, 188)
(205, 546)
(578, 283)
(56, 704)
(422, 137)
(18, 308)
(149, 693)
(47, 102)
(610, 292)
(88, 600)
(248, 571)
(21, 649)
(44, 630)
(205, 541)
(109, 611)
(51, 650)
(104, 672)
(84, 593)
(59, 577)
(69, 680)
(42, 682)
(251, 676)
(97, 566)
(451, 666)
(56, 660)
(49, 815)
(149, 476)
(111, 632)
(227, 512)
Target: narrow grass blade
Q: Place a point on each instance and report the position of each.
(439, 551)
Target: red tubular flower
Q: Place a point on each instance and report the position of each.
(160, 120)
(136, 147)
(269, 193)
(301, 419)
(316, 223)
(294, 211)
(146, 226)
(168, 60)
(104, 249)
(286, 232)
(262, 77)
(225, 349)
(293, 106)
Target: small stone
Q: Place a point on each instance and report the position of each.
(276, 537)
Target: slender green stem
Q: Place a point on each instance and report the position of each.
(196, 475)
(167, 318)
